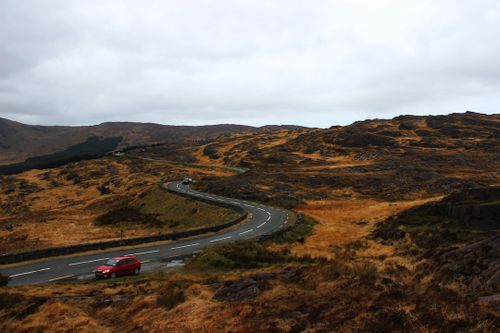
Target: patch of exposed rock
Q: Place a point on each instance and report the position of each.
(239, 290)
(477, 208)
(478, 263)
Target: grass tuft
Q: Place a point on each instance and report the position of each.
(171, 296)
(366, 272)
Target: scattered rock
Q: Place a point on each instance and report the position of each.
(290, 274)
(490, 300)
(389, 234)
(478, 263)
(239, 290)
(367, 156)
(361, 223)
(27, 187)
(103, 189)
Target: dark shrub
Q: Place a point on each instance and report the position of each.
(211, 152)
(366, 272)
(240, 254)
(4, 280)
(171, 296)
(127, 216)
(103, 189)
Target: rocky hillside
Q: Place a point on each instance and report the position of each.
(399, 233)
(437, 231)
(403, 158)
(19, 141)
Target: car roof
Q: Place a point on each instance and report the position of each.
(124, 257)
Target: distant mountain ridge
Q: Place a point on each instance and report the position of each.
(20, 141)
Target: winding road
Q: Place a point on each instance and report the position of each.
(262, 220)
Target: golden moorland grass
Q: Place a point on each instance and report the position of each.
(345, 221)
(62, 211)
(367, 285)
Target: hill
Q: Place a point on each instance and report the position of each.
(19, 141)
(401, 232)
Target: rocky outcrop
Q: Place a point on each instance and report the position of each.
(477, 263)
(477, 208)
(239, 290)
(354, 137)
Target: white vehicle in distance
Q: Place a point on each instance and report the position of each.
(187, 181)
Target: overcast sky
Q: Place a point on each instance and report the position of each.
(313, 63)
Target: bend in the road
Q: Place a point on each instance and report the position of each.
(262, 220)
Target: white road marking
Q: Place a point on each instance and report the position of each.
(246, 232)
(26, 273)
(183, 246)
(86, 262)
(62, 277)
(219, 239)
(155, 251)
(141, 253)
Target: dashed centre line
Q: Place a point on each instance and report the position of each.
(183, 246)
(31, 272)
(87, 262)
(185, 189)
(141, 253)
(219, 239)
(62, 277)
(246, 232)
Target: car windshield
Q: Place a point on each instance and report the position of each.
(111, 262)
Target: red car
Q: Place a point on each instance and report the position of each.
(119, 266)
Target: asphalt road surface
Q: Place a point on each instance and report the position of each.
(262, 220)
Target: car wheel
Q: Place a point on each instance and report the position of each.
(113, 275)
(136, 271)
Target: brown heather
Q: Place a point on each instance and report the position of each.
(382, 256)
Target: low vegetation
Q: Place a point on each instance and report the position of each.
(239, 254)
(400, 235)
(159, 209)
(298, 232)
(243, 287)
(463, 217)
(3, 280)
(98, 200)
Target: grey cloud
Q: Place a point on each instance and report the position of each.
(314, 63)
